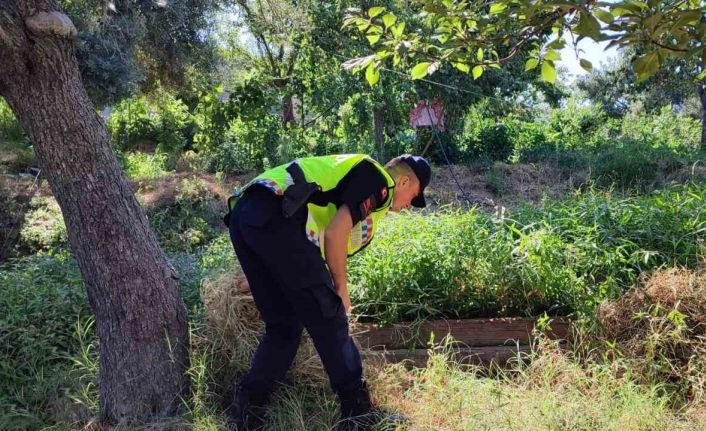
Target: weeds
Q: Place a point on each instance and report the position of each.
(561, 257)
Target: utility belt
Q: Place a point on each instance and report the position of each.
(295, 196)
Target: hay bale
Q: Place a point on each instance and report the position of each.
(233, 328)
(660, 329)
(671, 285)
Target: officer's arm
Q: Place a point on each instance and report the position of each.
(336, 250)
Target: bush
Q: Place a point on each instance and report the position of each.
(165, 125)
(483, 137)
(175, 127)
(667, 130)
(43, 227)
(10, 130)
(626, 167)
(188, 220)
(246, 144)
(529, 141)
(139, 165)
(134, 121)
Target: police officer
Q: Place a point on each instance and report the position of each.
(292, 229)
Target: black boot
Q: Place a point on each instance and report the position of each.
(246, 413)
(357, 411)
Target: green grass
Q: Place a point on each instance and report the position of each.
(139, 165)
(553, 393)
(41, 300)
(561, 257)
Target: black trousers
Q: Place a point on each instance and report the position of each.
(293, 289)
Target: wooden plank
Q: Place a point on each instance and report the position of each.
(469, 332)
(466, 355)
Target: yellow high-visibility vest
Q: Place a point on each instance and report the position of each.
(327, 172)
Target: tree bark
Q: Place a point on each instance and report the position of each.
(288, 118)
(379, 137)
(701, 86)
(141, 319)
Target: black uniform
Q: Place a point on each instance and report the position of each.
(291, 284)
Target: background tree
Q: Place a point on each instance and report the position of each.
(674, 84)
(125, 46)
(132, 289)
(474, 36)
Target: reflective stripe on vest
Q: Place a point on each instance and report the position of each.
(327, 172)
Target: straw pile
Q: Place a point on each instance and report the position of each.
(660, 329)
(233, 328)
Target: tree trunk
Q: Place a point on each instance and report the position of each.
(141, 319)
(288, 112)
(702, 96)
(378, 127)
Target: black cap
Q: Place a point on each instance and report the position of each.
(422, 170)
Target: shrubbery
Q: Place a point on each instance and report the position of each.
(43, 227)
(189, 218)
(139, 165)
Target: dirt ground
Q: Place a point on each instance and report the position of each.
(501, 185)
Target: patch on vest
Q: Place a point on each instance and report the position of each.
(367, 206)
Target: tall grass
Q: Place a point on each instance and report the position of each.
(41, 301)
(553, 392)
(560, 257)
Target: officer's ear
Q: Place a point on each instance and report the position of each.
(404, 181)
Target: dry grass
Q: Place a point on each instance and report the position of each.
(658, 331)
(157, 191)
(233, 328)
(521, 182)
(553, 392)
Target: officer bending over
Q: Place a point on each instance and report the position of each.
(292, 229)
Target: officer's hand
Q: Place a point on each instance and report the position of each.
(243, 285)
(345, 298)
(346, 303)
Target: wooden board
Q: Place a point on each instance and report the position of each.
(499, 355)
(467, 332)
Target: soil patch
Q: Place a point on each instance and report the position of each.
(501, 185)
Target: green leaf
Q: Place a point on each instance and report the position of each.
(701, 76)
(587, 65)
(389, 19)
(398, 29)
(646, 66)
(588, 26)
(375, 11)
(496, 8)
(479, 54)
(686, 18)
(373, 38)
(603, 15)
(420, 71)
(463, 67)
(548, 72)
(556, 44)
(531, 64)
(552, 55)
(372, 75)
(477, 72)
